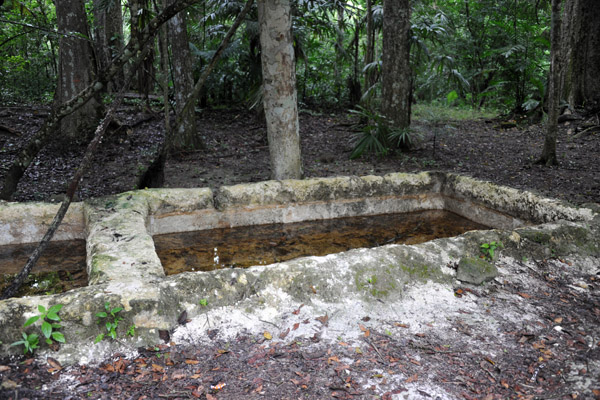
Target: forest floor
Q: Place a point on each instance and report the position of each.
(237, 151)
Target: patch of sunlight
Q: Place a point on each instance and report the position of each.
(443, 113)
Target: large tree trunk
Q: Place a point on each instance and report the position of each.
(396, 71)
(183, 81)
(279, 88)
(76, 70)
(108, 37)
(581, 47)
(549, 151)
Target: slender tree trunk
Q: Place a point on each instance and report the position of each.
(76, 70)
(279, 88)
(108, 37)
(183, 81)
(370, 49)
(396, 71)
(580, 43)
(549, 152)
(140, 15)
(339, 53)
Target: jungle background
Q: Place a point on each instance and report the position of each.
(479, 74)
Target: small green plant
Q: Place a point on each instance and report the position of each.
(50, 323)
(30, 342)
(203, 302)
(111, 321)
(489, 249)
(378, 135)
(131, 331)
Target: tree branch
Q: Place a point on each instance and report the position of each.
(133, 51)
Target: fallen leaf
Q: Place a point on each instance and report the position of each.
(4, 368)
(323, 319)
(558, 320)
(54, 364)
(164, 335)
(283, 334)
(362, 327)
(412, 378)
(524, 295)
(399, 325)
(157, 368)
(296, 312)
(195, 376)
(267, 335)
(178, 375)
(296, 325)
(182, 319)
(333, 359)
(191, 362)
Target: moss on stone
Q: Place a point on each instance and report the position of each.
(475, 270)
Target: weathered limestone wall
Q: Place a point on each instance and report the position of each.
(124, 269)
(28, 222)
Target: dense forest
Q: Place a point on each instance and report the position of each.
(529, 60)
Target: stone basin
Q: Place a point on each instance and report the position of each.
(124, 269)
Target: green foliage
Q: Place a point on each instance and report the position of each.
(378, 136)
(30, 342)
(111, 320)
(50, 323)
(203, 302)
(49, 327)
(488, 249)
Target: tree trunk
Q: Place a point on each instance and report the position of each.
(581, 47)
(279, 88)
(140, 16)
(370, 49)
(41, 137)
(549, 151)
(108, 38)
(339, 53)
(183, 81)
(396, 71)
(76, 70)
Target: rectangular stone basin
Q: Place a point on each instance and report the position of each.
(61, 267)
(244, 246)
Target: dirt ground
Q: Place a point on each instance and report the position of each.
(556, 356)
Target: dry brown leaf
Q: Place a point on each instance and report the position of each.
(296, 325)
(333, 359)
(192, 362)
(323, 319)
(54, 363)
(283, 334)
(157, 368)
(524, 295)
(296, 312)
(399, 325)
(412, 378)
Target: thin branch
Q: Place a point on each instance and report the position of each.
(213, 63)
(73, 184)
(48, 30)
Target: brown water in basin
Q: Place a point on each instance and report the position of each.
(265, 244)
(60, 268)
